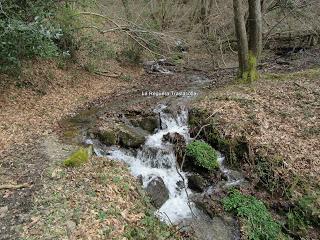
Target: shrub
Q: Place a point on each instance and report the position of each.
(203, 154)
(132, 53)
(258, 221)
(20, 40)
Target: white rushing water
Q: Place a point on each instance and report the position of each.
(156, 158)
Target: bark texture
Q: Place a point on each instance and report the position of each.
(255, 28)
(241, 34)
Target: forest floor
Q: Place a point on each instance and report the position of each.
(58, 203)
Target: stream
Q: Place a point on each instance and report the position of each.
(155, 161)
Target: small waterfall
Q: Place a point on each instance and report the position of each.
(156, 158)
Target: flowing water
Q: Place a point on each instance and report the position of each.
(156, 158)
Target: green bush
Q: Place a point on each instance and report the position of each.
(259, 224)
(20, 40)
(203, 154)
(30, 29)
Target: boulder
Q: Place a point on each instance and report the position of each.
(107, 136)
(197, 183)
(148, 123)
(157, 191)
(131, 137)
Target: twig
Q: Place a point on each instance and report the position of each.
(11, 186)
(168, 218)
(206, 125)
(107, 75)
(185, 189)
(120, 29)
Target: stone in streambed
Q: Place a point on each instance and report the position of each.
(197, 183)
(131, 137)
(107, 136)
(157, 191)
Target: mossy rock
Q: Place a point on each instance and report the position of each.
(79, 157)
(108, 137)
(202, 154)
(148, 123)
(130, 137)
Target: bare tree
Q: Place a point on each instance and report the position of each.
(250, 40)
(241, 34)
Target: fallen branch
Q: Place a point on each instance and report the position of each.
(17, 186)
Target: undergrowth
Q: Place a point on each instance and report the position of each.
(258, 222)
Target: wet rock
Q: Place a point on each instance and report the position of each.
(217, 228)
(174, 138)
(140, 179)
(179, 143)
(131, 137)
(157, 191)
(211, 205)
(197, 183)
(107, 136)
(148, 123)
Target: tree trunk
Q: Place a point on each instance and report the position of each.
(255, 28)
(241, 35)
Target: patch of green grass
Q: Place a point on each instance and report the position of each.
(203, 154)
(259, 224)
(102, 215)
(305, 213)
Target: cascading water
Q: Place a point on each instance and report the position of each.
(156, 158)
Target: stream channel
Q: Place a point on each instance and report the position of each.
(155, 163)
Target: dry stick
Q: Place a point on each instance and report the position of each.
(185, 189)
(119, 27)
(168, 218)
(10, 186)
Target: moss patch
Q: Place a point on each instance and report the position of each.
(79, 157)
(203, 154)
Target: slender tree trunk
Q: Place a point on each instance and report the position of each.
(255, 28)
(241, 35)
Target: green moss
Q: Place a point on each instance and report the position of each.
(259, 224)
(79, 157)
(251, 74)
(203, 154)
(108, 137)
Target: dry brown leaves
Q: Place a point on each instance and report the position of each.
(95, 201)
(282, 116)
(53, 94)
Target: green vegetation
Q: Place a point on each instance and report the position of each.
(251, 74)
(32, 29)
(151, 228)
(203, 154)
(79, 157)
(258, 221)
(305, 213)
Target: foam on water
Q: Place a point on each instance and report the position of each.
(157, 159)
